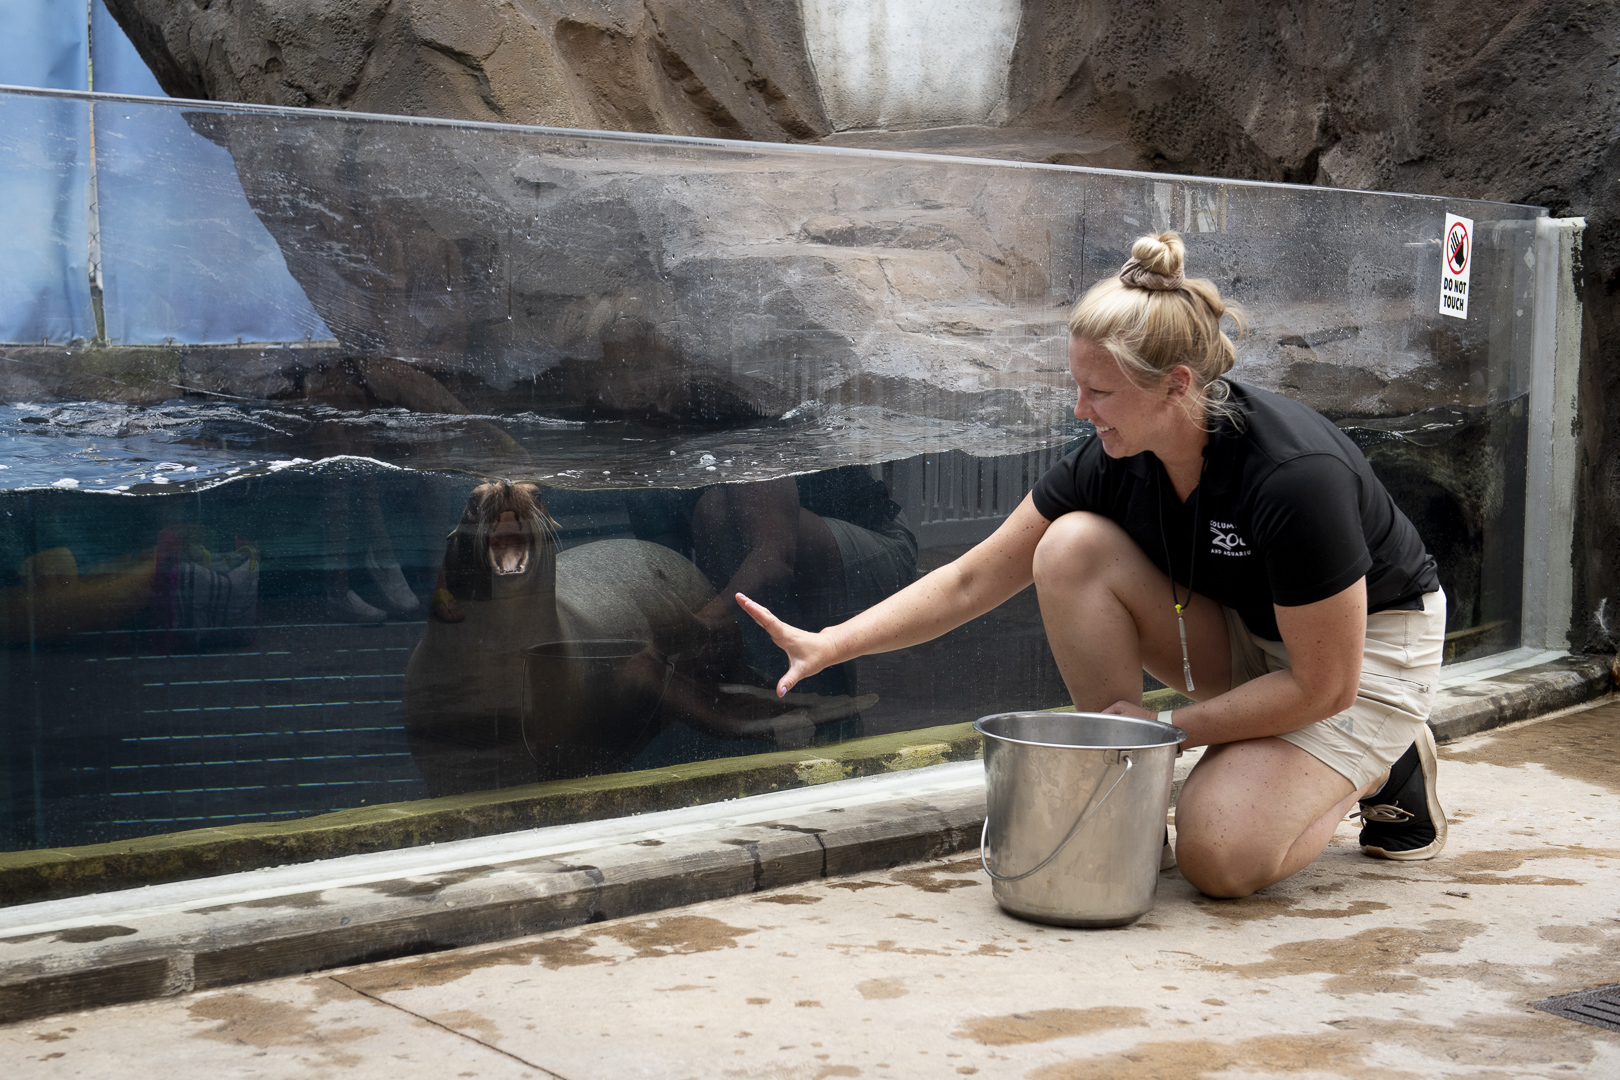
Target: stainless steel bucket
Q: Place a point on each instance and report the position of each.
(1075, 813)
(587, 706)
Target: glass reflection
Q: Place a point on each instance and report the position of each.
(251, 582)
(540, 664)
(183, 657)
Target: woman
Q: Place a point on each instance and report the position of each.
(1235, 545)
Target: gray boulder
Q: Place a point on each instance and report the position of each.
(527, 270)
(731, 68)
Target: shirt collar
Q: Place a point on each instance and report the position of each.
(1144, 465)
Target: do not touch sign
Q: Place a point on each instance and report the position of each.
(1456, 260)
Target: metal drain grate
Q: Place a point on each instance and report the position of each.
(1599, 1006)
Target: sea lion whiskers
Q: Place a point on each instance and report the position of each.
(507, 522)
(511, 522)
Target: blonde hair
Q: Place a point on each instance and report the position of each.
(1152, 317)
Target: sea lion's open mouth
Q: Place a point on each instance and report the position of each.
(509, 546)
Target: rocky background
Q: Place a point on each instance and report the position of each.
(1515, 101)
(731, 68)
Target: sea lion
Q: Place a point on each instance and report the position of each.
(481, 715)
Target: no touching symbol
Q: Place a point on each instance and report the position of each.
(1457, 248)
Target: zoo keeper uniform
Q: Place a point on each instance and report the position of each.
(1288, 513)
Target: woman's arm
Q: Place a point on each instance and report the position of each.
(989, 574)
(1325, 641)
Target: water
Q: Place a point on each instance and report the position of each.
(173, 579)
(182, 445)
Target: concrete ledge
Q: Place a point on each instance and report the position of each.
(43, 874)
(49, 873)
(207, 946)
(1520, 695)
(237, 936)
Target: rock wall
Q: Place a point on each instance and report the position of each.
(533, 272)
(737, 69)
(1504, 99)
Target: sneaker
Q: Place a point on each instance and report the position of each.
(1167, 854)
(351, 609)
(390, 581)
(1404, 819)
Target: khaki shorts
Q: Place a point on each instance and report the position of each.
(1400, 672)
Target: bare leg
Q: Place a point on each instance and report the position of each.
(1108, 616)
(335, 503)
(1255, 812)
(756, 538)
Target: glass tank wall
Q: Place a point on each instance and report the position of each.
(562, 392)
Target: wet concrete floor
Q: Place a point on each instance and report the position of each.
(1352, 968)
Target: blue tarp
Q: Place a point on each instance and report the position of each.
(43, 43)
(44, 175)
(184, 258)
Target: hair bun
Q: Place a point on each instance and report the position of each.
(1156, 263)
(1163, 254)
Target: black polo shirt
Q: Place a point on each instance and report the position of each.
(1288, 513)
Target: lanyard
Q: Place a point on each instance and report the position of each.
(1192, 567)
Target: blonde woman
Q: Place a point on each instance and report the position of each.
(1237, 546)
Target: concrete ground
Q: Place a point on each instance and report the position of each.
(1353, 968)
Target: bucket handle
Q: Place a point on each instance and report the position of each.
(1085, 815)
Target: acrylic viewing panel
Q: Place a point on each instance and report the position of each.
(807, 372)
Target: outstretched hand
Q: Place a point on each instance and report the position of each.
(807, 653)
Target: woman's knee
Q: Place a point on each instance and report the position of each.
(1219, 871)
(1251, 813)
(1220, 848)
(1074, 545)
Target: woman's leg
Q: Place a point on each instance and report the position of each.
(1109, 616)
(1252, 812)
(754, 538)
(1255, 812)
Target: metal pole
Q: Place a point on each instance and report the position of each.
(94, 259)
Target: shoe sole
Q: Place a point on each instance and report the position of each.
(1430, 765)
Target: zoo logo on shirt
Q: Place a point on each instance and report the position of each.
(1225, 540)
